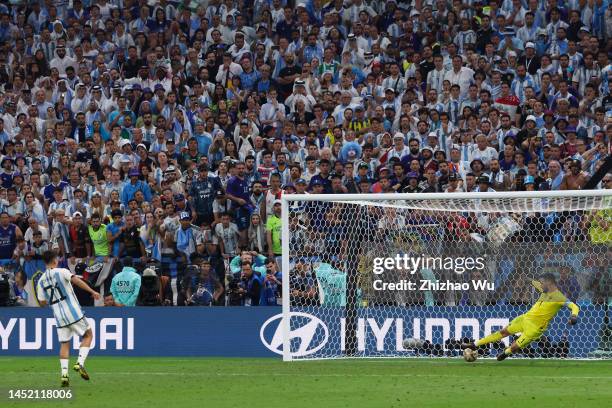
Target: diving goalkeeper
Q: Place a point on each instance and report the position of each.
(532, 324)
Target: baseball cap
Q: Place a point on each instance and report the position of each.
(530, 118)
(316, 182)
(179, 197)
(529, 45)
(300, 181)
(529, 180)
(77, 214)
(483, 179)
(134, 173)
(184, 216)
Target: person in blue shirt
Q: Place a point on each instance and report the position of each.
(133, 185)
(205, 289)
(238, 191)
(203, 138)
(272, 284)
(56, 182)
(249, 75)
(114, 230)
(204, 189)
(312, 49)
(323, 176)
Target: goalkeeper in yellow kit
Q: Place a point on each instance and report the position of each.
(532, 324)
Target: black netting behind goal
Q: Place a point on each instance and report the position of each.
(399, 278)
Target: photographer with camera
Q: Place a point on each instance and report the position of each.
(245, 287)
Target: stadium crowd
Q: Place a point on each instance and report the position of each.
(167, 130)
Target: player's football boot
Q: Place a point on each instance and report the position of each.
(502, 356)
(81, 370)
(65, 381)
(468, 346)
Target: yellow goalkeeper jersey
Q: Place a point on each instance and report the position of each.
(547, 306)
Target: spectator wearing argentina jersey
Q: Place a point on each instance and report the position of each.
(521, 81)
(433, 101)
(471, 100)
(575, 58)
(454, 104)
(466, 37)
(585, 73)
(494, 85)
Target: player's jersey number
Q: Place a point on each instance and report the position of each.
(55, 292)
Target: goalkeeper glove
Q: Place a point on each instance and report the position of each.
(573, 320)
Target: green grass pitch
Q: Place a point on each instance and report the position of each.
(251, 383)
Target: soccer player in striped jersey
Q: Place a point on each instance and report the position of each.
(534, 323)
(55, 289)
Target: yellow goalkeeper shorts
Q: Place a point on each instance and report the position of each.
(529, 331)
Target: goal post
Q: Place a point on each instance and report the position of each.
(406, 275)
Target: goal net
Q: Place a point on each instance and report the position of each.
(414, 275)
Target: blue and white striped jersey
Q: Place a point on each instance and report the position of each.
(54, 286)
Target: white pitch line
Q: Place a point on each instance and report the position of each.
(272, 374)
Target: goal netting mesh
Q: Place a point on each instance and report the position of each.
(408, 277)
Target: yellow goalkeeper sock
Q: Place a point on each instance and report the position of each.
(491, 338)
(508, 351)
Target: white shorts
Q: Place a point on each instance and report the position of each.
(79, 328)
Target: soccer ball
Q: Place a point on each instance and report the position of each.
(470, 355)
